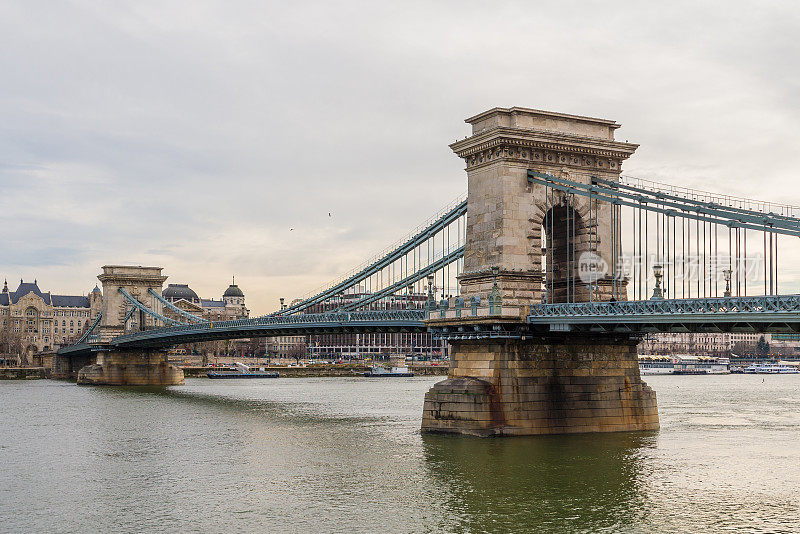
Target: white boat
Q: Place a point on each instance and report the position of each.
(701, 365)
(683, 364)
(240, 370)
(780, 368)
(655, 365)
(382, 372)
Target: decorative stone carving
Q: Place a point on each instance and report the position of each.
(504, 145)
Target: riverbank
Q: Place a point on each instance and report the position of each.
(22, 373)
(311, 371)
(316, 371)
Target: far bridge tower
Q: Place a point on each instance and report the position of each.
(140, 367)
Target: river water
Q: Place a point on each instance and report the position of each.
(346, 455)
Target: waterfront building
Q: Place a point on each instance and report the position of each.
(286, 346)
(784, 345)
(699, 344)
(376, 346)
(38, 321)
(364, 346)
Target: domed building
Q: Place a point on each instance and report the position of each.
(230, 307)
(233, 295)
(176, 292)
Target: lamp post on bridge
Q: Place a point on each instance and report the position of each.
(658, 272)
(727, 274)
(430, 303)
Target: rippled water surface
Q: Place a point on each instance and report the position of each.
(345, 455)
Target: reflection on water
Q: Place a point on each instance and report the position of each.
(561, 483)
(346, 455)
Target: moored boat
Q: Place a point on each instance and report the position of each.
(656, 365)
(683, 364)
(240, 370)
(382, 372)
(771, 368)
(701, 365)
(690, 372)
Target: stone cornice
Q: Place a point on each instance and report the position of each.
(132, 279)
(542, 139)
(547, 160)
(541, 112)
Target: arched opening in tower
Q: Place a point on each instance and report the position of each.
(562, 240)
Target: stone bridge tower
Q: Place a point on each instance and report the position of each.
(506, 214)
(115, 367)
(136, 281)
(503, 378)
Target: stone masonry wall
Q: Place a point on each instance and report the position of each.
(505, 212)
(145, 368)
(530, 387)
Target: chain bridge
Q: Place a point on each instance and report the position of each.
(542, 280)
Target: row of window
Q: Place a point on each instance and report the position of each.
(46, 339)
(71, 313)
(32, 312)
(17, 330)
(686, 338)
(31, 323)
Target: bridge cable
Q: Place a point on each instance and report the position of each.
(377, 266)
(90, 329)
(174, 308)
(147, 310)
(419, 275)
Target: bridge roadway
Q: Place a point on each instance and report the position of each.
(774, 313)
(293, 325)
(758, 314)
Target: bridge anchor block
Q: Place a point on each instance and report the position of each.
(525, 387)
(139, 368)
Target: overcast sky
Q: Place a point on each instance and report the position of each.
(193, 135)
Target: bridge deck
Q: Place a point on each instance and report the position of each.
(772, 313)
(303, 324)
(775, 313)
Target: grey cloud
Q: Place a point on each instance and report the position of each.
(24, 257)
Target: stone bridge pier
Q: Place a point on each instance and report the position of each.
(120, 368)
(526, 383)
